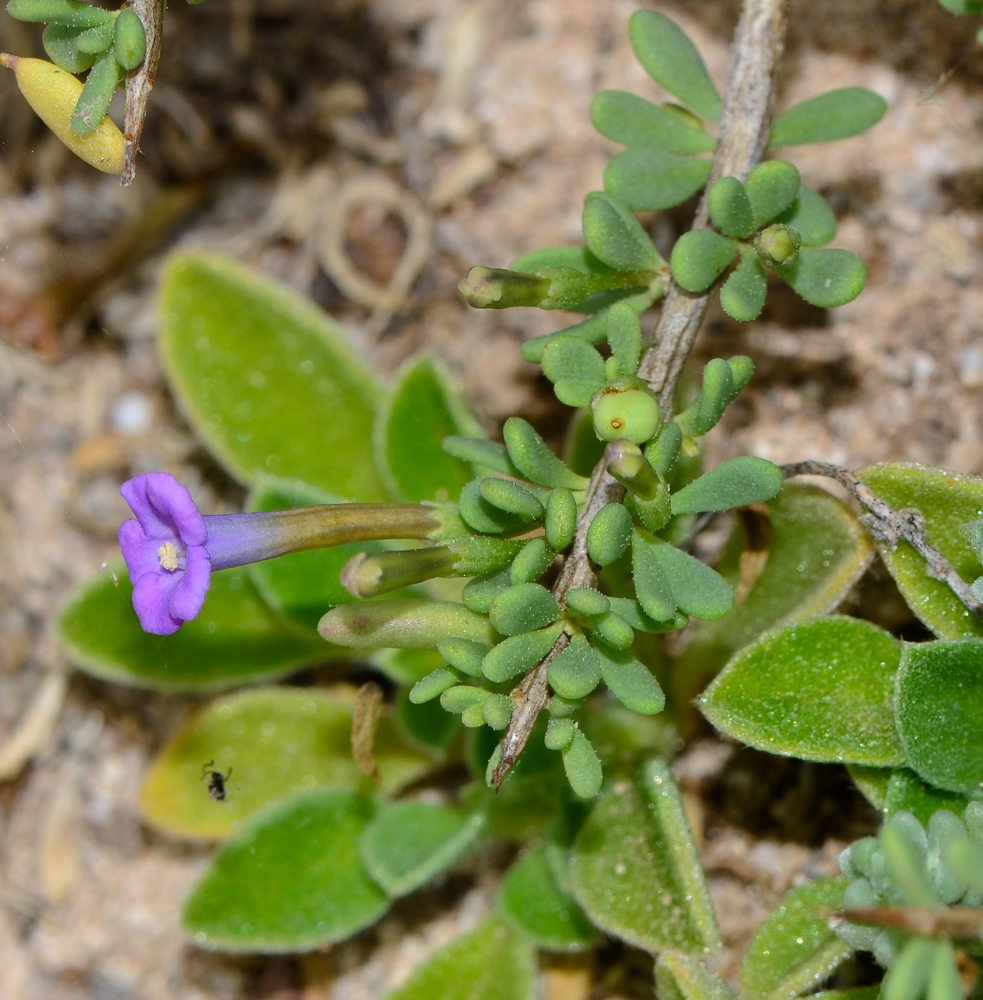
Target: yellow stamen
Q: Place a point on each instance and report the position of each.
(167, 554)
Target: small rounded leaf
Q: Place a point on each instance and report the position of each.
(734, 483)
(518, 653)
(716, 392)
(609, 534)
(587, 601)
(561, 518)
(837, 114)
(513, 498)
(729, 207)
(699, 257)
(559, 733)
(771, 188)
(583, 768)
(648, 181)
(60, 42)
(616, 237)
(523, 608)
(625, 337)
(612, 630)
(433, 685)
(811, 216)
(632, 121)
(532, 457)
(129, 39)
(576, 671)
(826, 277)
(743, 293)
(630, 682)
(532, 561)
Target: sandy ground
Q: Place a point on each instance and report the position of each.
(268, 114)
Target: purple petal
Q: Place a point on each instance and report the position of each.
(189, 595)
(134, 492)
(139, 551)
(151, 596)
(174, 503)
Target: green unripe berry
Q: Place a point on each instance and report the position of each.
(778, 245)
(633, 415)
(129, 39)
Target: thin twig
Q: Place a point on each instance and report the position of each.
(139, 83)
(891, 526)
(744, 124)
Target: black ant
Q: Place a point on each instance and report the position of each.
(216, 781)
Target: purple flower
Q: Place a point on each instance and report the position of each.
(171, 548)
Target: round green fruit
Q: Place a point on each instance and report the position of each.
(633, 415)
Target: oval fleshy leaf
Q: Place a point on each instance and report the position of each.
(811, 217)
(426, 405)
(772, 188)
(698, 590)
(733, 483)
(276, 742)
(906, 790)
(699, 257)
(569, 359)
(729, 207)
(616, 237)
(650, 181)
(743, 293)
(795, 947)
(291, 880)
(236, 638)
(635, 869)
(821, 690)
(825, 277)
(409, 843)
(255, 367)
(947, 501)
(534, 904)
(490, 963)
(672, 60)
(679, 977)
(632, 121)
(838, 114)
(939, 708)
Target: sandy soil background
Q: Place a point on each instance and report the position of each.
(267, 116)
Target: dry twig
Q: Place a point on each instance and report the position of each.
(139, 83)
(891, 526)
(744, 125)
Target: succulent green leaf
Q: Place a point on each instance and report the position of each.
(632, 121)
(237, 638)
(699, 257)
(405, 623)
(576, 671)
(433, 685)
(575, 365)
(460, 697)
(425, 406)
(561, 518)
(255, 367)
(947, 501)
(532, 457)
(771, 188)
(559, 732)
(518, 653)
(290, 880)
(680, 977)
(821, 690)
(652, 587)
(578, 258)
(616, 237)
(630, 681)
(305, 584)
(70, 13)
(966, 861)
(523, 608)
(811, 216)
(906, 790)
(663, 451)
(490, 963)
(464, 655)
(407, 844)
(60, 43)
(646, 180)
(479, 593)
(533, 560)
(635, 869)
(511, 497)
(825, 277)
(795, 948)
(734, 483)
(838, 114)
(609, 534)
(481, 515)
(587, 601)
(275, 742)
(671, 59)
(938, 710)
(611, 629)
(696, 589)
(582, 766)
(625, 338)
(129, 39)
(742, 296)
(97, 94)
(94, 41)
(480, 452)
(730, 208)
(537, 907)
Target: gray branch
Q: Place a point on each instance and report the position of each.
(745, 121)
(139, 83)
(890, 526)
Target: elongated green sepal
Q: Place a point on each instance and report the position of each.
(410, 623)
(519, 653)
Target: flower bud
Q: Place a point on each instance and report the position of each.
(630, 467)
(778, 244)
(497, 288)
